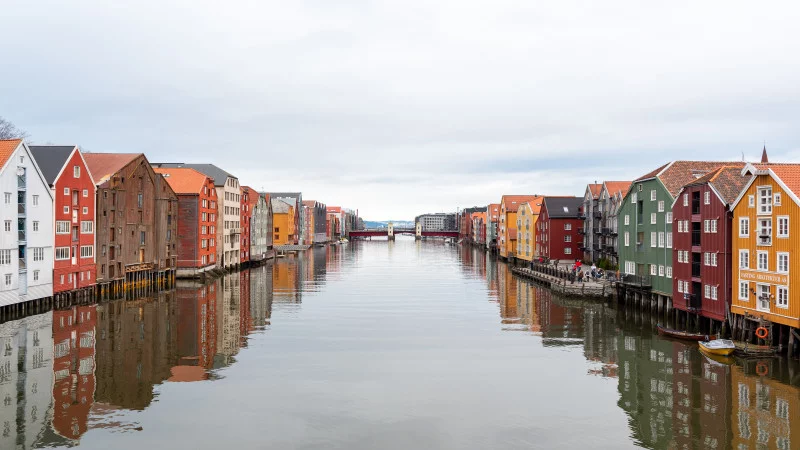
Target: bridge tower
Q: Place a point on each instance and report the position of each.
(390, 234)
(418, 231)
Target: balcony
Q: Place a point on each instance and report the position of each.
(696, 269)
(582, 231)
(235, 231)
(598, 230)
(597, 215)
(696, 238)
(21, 236)
(642, 281)
(764, 239)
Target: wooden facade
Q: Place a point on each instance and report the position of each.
(136, 223)
(557, 228)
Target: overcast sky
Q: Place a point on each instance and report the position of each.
(399, 108)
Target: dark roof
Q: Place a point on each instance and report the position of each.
(727, 180)
(51, 159)
(563, 207)
(294, 195)
(220, 176)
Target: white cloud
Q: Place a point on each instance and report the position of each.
(398, 108)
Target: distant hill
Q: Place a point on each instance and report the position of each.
(385, 223)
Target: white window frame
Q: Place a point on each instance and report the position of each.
(680, 226)
(627, 219)
(669, 239)
(653, 239)
(764, 200)
(765, 260)
(707, 291)
(713, 225)
(706, 226)
(653, 218)
(668, 218)
(660, 270)
(568, 251)
(627, 239)
(782, 297)
(744, 259)
(653, 195)
(744, 227)
(785, 257)
(87, 227)
(713, 257)
(744, 290)
(714, 292)
(751, 201)
(776, 199)
(706, 258)
(87, 251)
(85, 193)
(567, 227)
(653, 269)
(783, 220)
(62, 253)
(76, 171)
(668, 271)
(686, 199)
(66, 191)
(661, 239)
(661, 206)
(62, 227)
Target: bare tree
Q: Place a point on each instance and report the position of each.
(9, 131)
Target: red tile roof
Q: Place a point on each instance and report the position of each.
(103, 165)
(536, 204)
(252, 196)
(677, 174)
(727, 180)
(183, 180)
(7, 147)
(494, 210)
(618, 186)
(512, 202)
(789, 174)
(595, 190)
(334, 209)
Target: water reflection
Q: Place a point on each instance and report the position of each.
(67, 374)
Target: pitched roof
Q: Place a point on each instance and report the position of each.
(310, 203)
(615, 187)
(563, 207)
(652, 174)
(494, 211)
(334, 209)
(218, 175)
(103, 165)
(789, 174)
(183, 180)
(252, 200)
(536, 205)
(512, 202)
(280, 206)
(51, 159)
(595, 189)
(7, 147)
(677, 174)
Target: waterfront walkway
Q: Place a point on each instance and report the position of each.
(559, 281)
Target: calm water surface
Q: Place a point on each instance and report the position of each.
(377, 345)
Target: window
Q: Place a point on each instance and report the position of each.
(85, 210)
(744, 259)
(87, 227)
(661, 206)
(660, 270)
(8, 279)
(567, 238)
(783, 226)
(62, 253)
(765, 200)
(751, 201)
(62, 227)
(744, 227)
(777, 199)
(66, 210)
(764, 231)
(653, 269)
(630, 267)
(76, 172)
(668, 271)
(713, 259)
(782, 300)
(706, 226)
(763, 260)
(680, 286)
(685, 199)
(35, 200)
(680, 226)
(35, 275)
(652, 195)
(653, 239)
(7, 225)
(568, 226)
(35, 225)
(87, 251)
(668, 218)
(653, 218)
(707, 198)
(706, 259)
(783, 262)
(706, 291)
(744, 290)
(714, 225)
(66, 191)
(680, 256)
(5, 257)
(669, 239)
(661, 239)
(141, 237)
(567, 251)
(140, 200)
(627, 219)
(627, 238)
(38, 254)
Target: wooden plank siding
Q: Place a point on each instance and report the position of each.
(718, 243)
(787, 316)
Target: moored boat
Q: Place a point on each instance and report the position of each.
(747, 349)
(685, 335)
(722, 347)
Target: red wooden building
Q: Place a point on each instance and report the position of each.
(74, 202)
(557, 228)
(196, 240)
(701, 241)
(249, 200)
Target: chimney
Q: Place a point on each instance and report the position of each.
(764, 158)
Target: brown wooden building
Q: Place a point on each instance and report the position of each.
(136, 223)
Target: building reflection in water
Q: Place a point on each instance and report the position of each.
(674, 396)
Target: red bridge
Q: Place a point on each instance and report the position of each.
(411, 231)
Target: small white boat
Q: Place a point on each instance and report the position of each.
(723, 347)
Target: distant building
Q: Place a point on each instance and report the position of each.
(507, 231)
(283, 217)
(316, 216)
(438, 222)
(297, 234)
(527, 219)
(492, 222)
(609, 204)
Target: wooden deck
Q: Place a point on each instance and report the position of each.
(592, 289)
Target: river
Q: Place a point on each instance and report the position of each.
(377, 345)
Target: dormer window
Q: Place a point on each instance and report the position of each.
(765, 200)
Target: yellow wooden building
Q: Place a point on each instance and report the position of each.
(283, 222)
(507, 229)
(527, 215)
(765, 234)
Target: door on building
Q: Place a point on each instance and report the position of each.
(696, 299)
(75, 281)
(762, 301)
(74, 252)
(141, 255)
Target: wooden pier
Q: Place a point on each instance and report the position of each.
(560, 283)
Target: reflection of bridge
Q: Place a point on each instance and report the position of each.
(396, 231)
